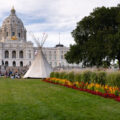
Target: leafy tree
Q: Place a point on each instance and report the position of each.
(97, 38)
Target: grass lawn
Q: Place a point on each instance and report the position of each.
(34, 99)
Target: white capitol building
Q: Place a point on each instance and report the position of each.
(16, 51)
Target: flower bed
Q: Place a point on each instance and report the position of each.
(96, 89)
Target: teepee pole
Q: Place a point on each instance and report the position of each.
(44, 39)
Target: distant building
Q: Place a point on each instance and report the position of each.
(55, 57)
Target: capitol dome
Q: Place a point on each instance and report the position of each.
(12, 28)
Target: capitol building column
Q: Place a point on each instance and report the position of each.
(10, 57)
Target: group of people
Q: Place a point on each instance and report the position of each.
(12, 74)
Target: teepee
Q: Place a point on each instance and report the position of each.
(40, 68)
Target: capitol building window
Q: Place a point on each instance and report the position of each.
(6, 63)
(50, 52)
(14, 64)
(13, 33)
(21, 54)
(55, 63)
(21, 63)
(50, 57)
(6, 54)
(61, 56)
(55, 57)
(29, 55)
(19, 35)
(13, 54)
(7, 34)
(29, 62)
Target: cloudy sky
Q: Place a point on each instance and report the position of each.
(52, 16)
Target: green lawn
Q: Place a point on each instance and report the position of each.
(34, 99)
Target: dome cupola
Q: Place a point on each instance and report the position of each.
(13, 11)
(12, 28)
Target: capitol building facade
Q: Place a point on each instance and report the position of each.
(16, 51)
(14, 48)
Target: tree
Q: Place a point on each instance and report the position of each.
(97, 38)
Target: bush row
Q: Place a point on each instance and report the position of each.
(112, 79)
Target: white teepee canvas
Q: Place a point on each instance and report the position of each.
(40, 67)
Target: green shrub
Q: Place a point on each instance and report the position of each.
(71, 76)
(113, 79)
(78, 77)
(94, 77)
(86, 76)
(65, 75)
(62, 75)
(101, 78)
(56, 74)
(59, 76)
(52, 74)
(116, 82)
(110, 78)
